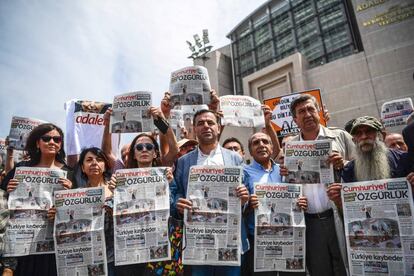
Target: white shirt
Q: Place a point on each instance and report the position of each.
(318, 200)
(214, 158)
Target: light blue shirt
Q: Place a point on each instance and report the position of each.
(255, 173)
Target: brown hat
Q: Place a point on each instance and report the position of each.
(186, 142)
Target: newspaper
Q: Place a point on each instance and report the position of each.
(20, 130)
(79, 232)
(141, 211)
(29, 231)
(3, 153)
(131, 113)
(307, 162)
(188, 115)
(176, 122)
(379, 227)
(282, 118)
(85, 126)
(190, 86)
(241, 111)
(279, 235)
(212, 228)
(395, 113)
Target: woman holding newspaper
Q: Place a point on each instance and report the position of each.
(143, 153)
(45, 150)
(97, 172)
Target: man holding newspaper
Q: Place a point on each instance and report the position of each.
(206, 125)
(325, 241)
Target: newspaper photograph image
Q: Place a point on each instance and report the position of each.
(3, 153)
(188, 114)
(241, 111)
(20, 129)
(141, 212)
(190, 86)
(131, 113)
(29, 231)
(307, 162)
(212, 227)
(79, 232)
(379, 226)
(279, 228)
(395, 112)
(176, 122)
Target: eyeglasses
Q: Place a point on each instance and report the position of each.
(47, 138)
(148, 146)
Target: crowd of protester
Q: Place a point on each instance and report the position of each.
(362, 151)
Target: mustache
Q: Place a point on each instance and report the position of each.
(366, 142)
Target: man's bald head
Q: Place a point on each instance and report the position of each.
(395, 141)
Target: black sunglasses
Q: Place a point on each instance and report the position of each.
(47, 138)
(148, 146)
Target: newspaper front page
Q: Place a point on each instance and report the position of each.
(279, 236)
(131, 113)
(241, 111)
(212, 227)
(85, 125)
(20, 129)
(190, 86)
(79, 232)
(141, 212)
(379, 227)
(307, 162)
(3, 153)
(395, 113)
(29, 231)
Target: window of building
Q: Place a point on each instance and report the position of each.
(332, 17)
(245, 44)
(246, 62)
(262, 35)
(282, 23)
(323, 4)
(264, 52)
(284, 42)
(303, 11)
(260, 19)
(307, 30)
(336, 38)
(312, 49)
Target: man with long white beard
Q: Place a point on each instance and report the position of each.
(373, 160)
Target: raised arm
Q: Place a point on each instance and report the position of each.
(107, 139)
(167, 158)
(270, 131)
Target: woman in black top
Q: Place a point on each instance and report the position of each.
(45, 150)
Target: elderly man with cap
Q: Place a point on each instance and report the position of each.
(373, 160)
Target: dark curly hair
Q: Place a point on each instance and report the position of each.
(34, 136)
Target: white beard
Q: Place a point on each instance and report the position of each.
(372, 165)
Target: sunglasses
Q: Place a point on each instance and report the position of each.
(47, 138)
(148, 146)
